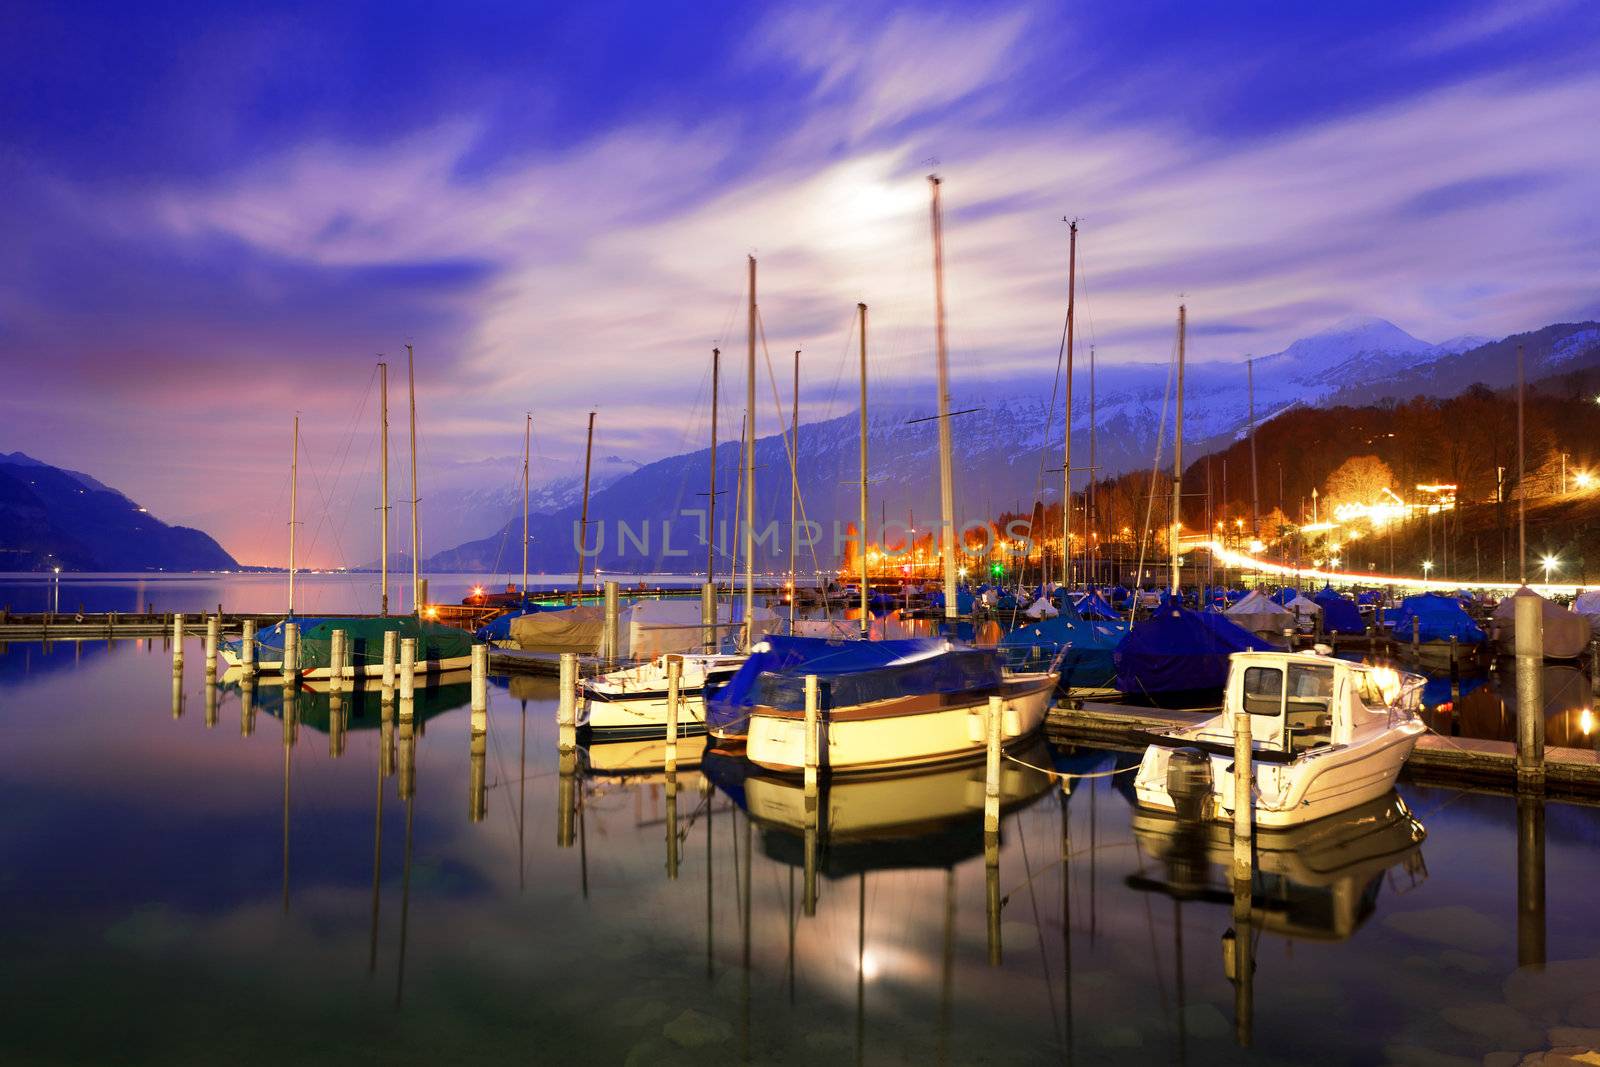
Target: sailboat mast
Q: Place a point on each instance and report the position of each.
(711, 497)
(794, 484)
(527, 452)
(583, 520)
(1255, 489)
(750, 470)
(1091, 515)
(1522, 485)
(1066, 457)
(1177, 459)
(416, 537)
(947, 490)
(383, 487)
(866, 622)
(294, 492)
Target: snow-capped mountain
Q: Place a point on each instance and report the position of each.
(1009, 449)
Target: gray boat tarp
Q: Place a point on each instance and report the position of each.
(1566, 633)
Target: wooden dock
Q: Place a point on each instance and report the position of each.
(1461, 762)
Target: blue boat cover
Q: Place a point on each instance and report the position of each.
(850, 673)
(499, 627)
(1089, 649)
(1094, 606)
(1176, 650)
(1339, 616)
(1439, 618)
(1284, 595)
(963, 601)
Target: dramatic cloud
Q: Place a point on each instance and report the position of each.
(571, 235)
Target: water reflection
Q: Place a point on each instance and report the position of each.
(676, 901)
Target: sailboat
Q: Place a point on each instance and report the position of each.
(439, 647)
(1178, 655)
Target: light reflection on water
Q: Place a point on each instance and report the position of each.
(245, 883)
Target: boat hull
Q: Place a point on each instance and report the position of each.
(1313, 786)
(904, 735)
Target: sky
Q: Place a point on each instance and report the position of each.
(216, 217)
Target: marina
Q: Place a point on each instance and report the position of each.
(808, 534)
(747, 929)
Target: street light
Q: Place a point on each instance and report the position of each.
(1427, 568)
(1550, 563)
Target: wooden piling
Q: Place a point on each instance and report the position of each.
(213, 639)
(674, 697)
(408, 670)
(991, 774)
(391, 653)
(336, 649)
(247, 647)
(672, 822)
(610, 640)
(478, 776)
(1529, 620)
(812, 741)
(480, 683)
(291, 651)
(1416, 638)
(177, 641)
(567, 704)
(991, 890)
(1244, 780)
(247, 706)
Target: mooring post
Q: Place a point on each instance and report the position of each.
(1317, 628)
(480, 686)
(813, 744)
(672, 822)
(708, 617)
(1238, 960)
(408, 673)
(566, 796)
(391, 653)
(421, 597)
(291, 651)
(991, 775)
(567, 704)
(336, 642)
(247, 647)
(1244, 780)
(991, 890)
(1530, 881)
(478, 762)
(336, 723)
(1529, 620)
(247, 706)
(177, 641)
(1416, 637)
(674, 684)
(611, 648)
(213, 639)
(1455, 668)
(813, 820)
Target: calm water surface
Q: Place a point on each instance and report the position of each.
(186, 880)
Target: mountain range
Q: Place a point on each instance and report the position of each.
(1008, 450)
(54, 517)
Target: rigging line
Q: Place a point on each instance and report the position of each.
(326, 496)
(1044, 958)
(789, 449)
(1155, 468)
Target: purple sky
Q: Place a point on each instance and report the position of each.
(214, 219)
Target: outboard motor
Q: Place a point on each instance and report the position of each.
(1189, 784)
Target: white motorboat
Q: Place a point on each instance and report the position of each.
(632, 702)
(1326, 736)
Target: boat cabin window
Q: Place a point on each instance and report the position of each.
(1263, 691)
(1310, 695)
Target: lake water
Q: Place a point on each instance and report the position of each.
(185, 881)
